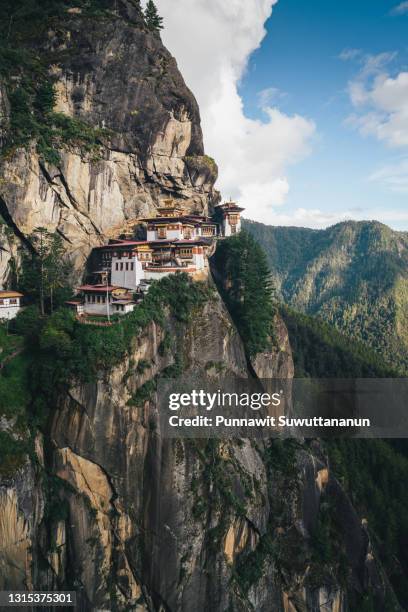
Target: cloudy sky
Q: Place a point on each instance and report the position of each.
(304, 104)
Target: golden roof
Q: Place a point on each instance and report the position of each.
(171, 206)
(10, 294)
(143, 247)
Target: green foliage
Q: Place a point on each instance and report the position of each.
(153, 20)
(44, 275)
(14, 403)
(143, 365)
(26, 323)
(280, 456)
(326, 541)
(56, 507)
(66, 350)
(242, 276)
(250, 567)
(165, 344)
(143, 394)
(14, 389)
(202, 163)
(352, 275)
(13, 453)
(29, 86)
(32, 119)
(320, 351)
(374, 474)
(8, 343)
(14, 378)
(60, 350)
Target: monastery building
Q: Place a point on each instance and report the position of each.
(175, 242)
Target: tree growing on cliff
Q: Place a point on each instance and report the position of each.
(153, 20)
(243, 277)
(44, 275)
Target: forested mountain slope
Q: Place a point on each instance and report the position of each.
(97, 127)
(373, 472)
(354, 275)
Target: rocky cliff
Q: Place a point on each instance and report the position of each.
(104, 504)
(133, 520)
(112, 76)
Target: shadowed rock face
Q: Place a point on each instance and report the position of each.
(109, 508)
(112, 73)
(142, 522)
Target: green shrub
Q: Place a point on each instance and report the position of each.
(13, 454)
(143, 394)
(30, 89)
(242, 275)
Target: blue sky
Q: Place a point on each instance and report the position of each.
(304, 104)
(300, 57)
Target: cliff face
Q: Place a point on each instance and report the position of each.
(114, 75)
(132, 520)
(106, 505)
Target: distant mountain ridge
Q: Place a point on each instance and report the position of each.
(354, 275)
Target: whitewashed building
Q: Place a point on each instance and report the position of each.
(228, 216)
(10, 304)
(175, 242)
(128, 263)
(106, 300)
(77, 305)
(127, 266)
(171, 223)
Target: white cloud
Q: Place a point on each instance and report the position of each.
(393, 176)
(320, 219)
(381, 101)
(374, 64)
(269, 96)
(212, 41)
(369, 64)
(350, 54)
(400, 9)
(311, 217)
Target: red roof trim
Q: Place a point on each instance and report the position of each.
(116, 245)
(99, 288)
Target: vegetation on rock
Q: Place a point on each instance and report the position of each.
(153, 20)
(29, 85)
(352, 275)
(64, 350)
(321, 351)
(372, 472)
(197, 163)
(242, 275)
(14, 403)
(45, 271)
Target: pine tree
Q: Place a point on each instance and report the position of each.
(246, 288)
(44, 270)
(153, 20)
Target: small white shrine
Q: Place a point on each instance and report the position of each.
(10, 304)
